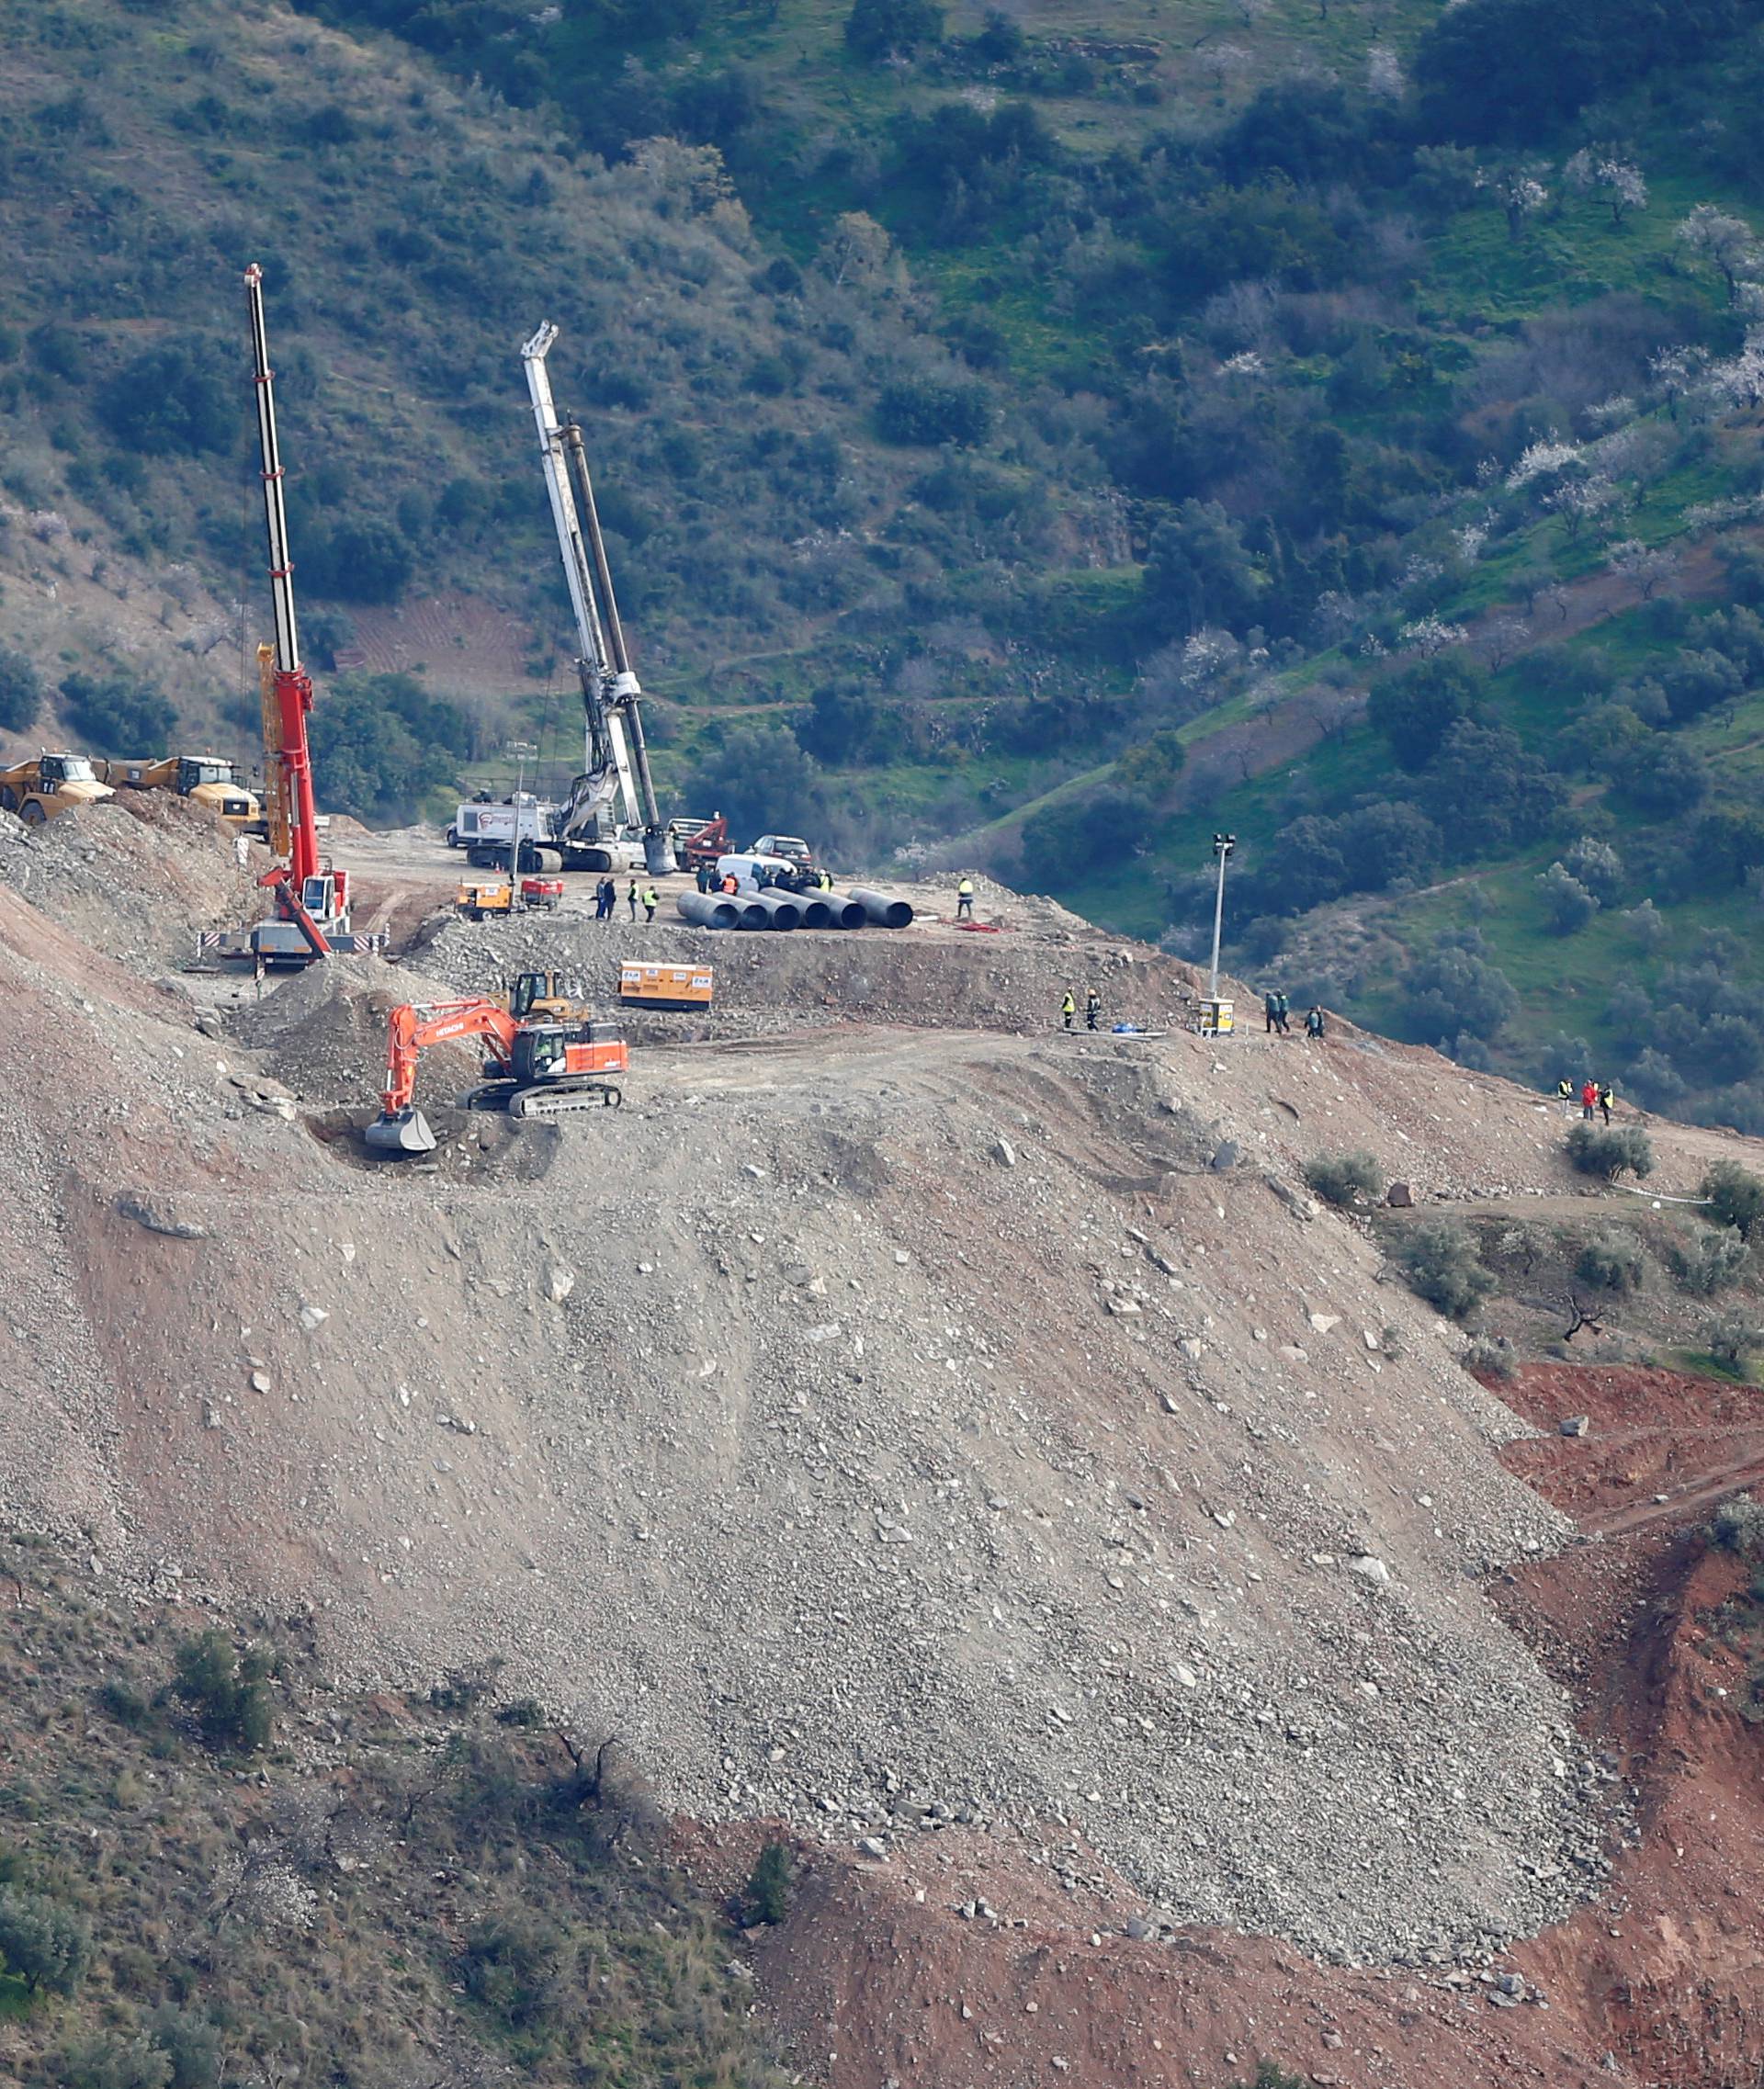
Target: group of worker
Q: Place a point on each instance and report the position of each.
(606, 900)
(1277, 1010)
(707, 880)
(1092, 1008)
(1594, 1095)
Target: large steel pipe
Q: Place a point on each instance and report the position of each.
(707, 909)
(815, 912)
(886, 913)
(781, 911)
(843, 911)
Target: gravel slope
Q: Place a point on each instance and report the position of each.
(883, 1428)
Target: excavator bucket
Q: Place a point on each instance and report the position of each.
(405, 1131)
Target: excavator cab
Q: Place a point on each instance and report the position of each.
(548, 1051)
(541, 1053)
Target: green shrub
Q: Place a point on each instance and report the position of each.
(1596, 1149)
(118, 717)
(1712, 1262)
(227, 1691)
(1737, 1526)
(1732, 1340)
(118, 1701)
(114, 2064)
(192, 2045)
(512, 1965)
(1490, 1356)
(927, 411)
(1612, 1261)
(1341, 1178)
(1441, 1264)
(179, 397)
(1734, 1197)
(45, 1945)
(767, 1898)
(21, 692)
(892, 28)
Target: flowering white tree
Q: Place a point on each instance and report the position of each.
(1581, 498)
(1613, 412)
(1544, 460)
(1384, 73)
(1648, 565)
(1674, 372)
(1602, 172)
(1209, 654)
(1738, 383)
(1429, 634)
(1726, 243)
(1500, 638)
(1518, 190)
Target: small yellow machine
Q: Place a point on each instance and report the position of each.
(484, 900)
(665, 986)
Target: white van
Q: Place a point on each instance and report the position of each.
(758, 874)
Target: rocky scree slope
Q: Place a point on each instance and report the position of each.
(881, 1430)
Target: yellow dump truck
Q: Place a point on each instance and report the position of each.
(39, 789)
(208, 780)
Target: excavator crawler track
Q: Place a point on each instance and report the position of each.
(557, 1101)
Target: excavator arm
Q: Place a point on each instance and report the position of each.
(410, 1031)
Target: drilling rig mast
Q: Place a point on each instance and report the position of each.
(617, 765)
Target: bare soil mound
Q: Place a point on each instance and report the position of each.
(135, 876)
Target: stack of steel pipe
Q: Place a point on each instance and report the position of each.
(884, 912)
(748, 909)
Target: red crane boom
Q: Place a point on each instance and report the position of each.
(307, 892)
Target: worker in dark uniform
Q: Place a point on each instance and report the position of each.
(1271, 1012)
(965, 900)
(630, 899)
(1092, 1007)
(1607, 1096)
(1314, 1023)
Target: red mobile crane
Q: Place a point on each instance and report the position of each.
(312, 916)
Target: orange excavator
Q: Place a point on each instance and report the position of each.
(531, 1069)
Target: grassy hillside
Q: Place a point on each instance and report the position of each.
(1030, 436)
(217, 1868)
